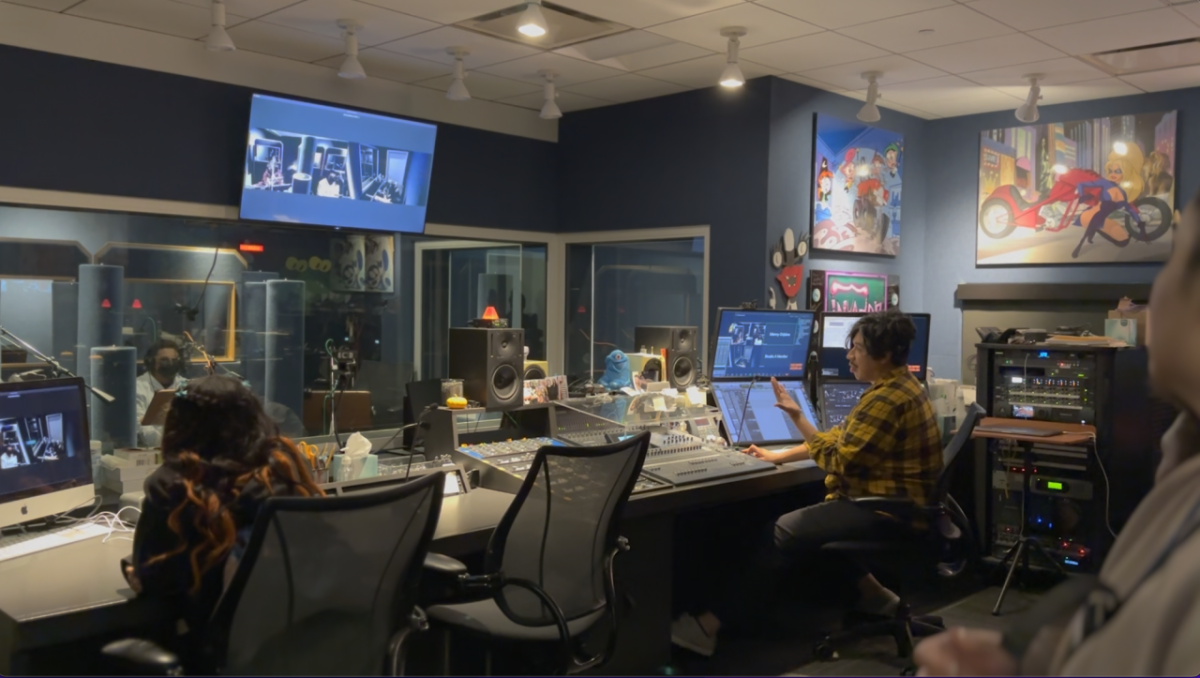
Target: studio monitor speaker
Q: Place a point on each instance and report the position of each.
(536, 369)
(816, 290)
(491, 363)
(682, 368)
(893, 292)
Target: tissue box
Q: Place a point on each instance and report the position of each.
(1138, 315)
(121, 475)
(140, 457)
(1122, 329)
(943, 393)
(367, 468)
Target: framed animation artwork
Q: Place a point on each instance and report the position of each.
(857, 187)
(1098, 191)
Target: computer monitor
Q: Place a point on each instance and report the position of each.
(835, 337)
(45, 457)
(837, 399)
(751, 418)
(832, 363)
(761, 343)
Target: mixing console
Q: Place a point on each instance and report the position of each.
(506, 448)
(716, 464)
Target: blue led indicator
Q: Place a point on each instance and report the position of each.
(1043, 354)
(1071, 562)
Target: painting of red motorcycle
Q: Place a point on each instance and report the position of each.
(1095, 191)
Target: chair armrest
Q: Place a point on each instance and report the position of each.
(436, 563)
(441, 580)
(136, 657)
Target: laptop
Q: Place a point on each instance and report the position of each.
(751, 418)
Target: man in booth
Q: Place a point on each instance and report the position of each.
(164, 364)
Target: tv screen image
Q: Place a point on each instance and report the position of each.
(763, 344)
(325, 166)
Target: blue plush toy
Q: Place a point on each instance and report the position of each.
(616, 373)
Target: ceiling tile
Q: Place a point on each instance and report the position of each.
(891, 105)
(893, 67)
(443, 11)
(1101, 35)
(392, 66)
(1190, 10)
(1054, 72)
(948, 93)
(762, 26)
(379, 25)
(671, 53)
(976, 55)
(841, 13)
(704, 72)
(627, 87)
(246, 8)
(567, 101)
(484, 50)
(1028, 15)
(280, 41)
(642, 13)
(982, 102)
(815, 84)
(947, 26)
(484, 86)
(1160, 81)
(172, 18)
(569, 71)
(811, 51)
(52, 5)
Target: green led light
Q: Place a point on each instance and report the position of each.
(1051, 485)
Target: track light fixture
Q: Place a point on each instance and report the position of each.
(1028, 111)
(550, 110)
(732, 75)
(458, 88)
(870, 112)
(351, 69)
(218, 40)
(532, 23)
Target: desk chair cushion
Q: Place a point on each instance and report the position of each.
(486, 618)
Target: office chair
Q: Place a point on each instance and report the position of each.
(326, 586)
(949, 531)
(548, 569)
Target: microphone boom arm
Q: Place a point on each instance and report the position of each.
(56, 366)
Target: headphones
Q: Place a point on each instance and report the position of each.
(152, 353)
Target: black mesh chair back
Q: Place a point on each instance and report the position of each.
(561, 527)
(326, 584)
(961, 437)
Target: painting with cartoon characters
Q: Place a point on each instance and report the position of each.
(1084, 192)
(857, 187)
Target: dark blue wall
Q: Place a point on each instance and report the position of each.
(789, 202)
(91, 127)
(691, 159)
(953, 179)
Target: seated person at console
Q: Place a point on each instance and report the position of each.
(222, 457)
(888, 446)
(163, 367)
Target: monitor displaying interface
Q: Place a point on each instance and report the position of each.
(45, 458)
(761, 344)
(838, 398)
(751, 417)
(835, 338)
(313, 164)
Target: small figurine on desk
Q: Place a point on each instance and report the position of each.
(616, 374)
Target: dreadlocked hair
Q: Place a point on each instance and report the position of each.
(219, 439)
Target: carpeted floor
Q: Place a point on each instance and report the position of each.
(786, 649)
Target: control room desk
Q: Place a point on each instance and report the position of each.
(77, 591)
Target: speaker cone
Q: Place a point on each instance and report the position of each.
(505, 382)
(683, 372)
(534, 372)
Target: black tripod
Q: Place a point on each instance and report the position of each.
(1026, 542)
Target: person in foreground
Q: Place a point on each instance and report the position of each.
(1141, 616)
(222, 457)
(889, 446)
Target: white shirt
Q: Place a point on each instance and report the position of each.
(326, 189)
(147, 386)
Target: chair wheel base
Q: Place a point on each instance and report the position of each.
(823, 650)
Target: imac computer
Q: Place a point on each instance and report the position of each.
(761, 344)
(45, 454)
(751, 418)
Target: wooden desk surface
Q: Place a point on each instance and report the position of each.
(1068, 434)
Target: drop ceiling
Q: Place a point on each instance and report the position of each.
(939, 58)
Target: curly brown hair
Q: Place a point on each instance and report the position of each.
(218, 438)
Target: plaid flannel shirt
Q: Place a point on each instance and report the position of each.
(888, 446)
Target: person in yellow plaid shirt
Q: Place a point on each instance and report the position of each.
(889, 446)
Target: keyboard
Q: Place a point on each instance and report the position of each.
(1018, 431)
(17, 545)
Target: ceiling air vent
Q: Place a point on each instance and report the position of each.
(1147, 58)
(565, 26)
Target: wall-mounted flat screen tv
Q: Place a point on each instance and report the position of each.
(325, 166)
